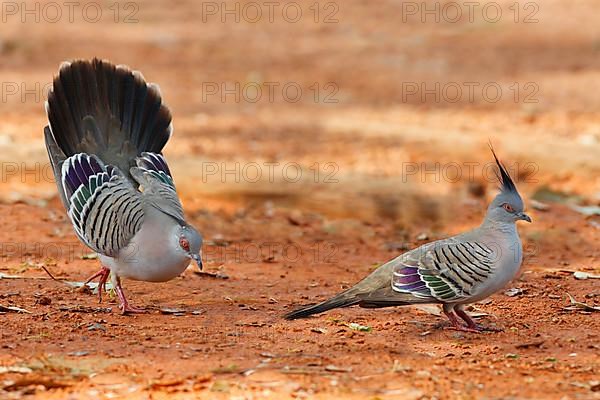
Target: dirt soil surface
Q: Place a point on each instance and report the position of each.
(342, 187)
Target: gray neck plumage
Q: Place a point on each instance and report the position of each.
(499, 226)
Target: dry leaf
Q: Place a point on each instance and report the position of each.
(576, 305)
(333, 368)
(14, 309)
(359, 327)
(512, 292)
(584, 275)
(15, 369)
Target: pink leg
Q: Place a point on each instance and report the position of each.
(125, 307)
(103, 274)
(472, 324)
(456, 325)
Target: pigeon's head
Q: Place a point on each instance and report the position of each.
(508, 205)
(190, 242)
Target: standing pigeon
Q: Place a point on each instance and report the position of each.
(453, 272)
(106, 131)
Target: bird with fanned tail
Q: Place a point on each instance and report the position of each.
(453, 272)
(107, 128)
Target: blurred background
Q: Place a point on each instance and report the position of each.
(363, 108)
(314, 140)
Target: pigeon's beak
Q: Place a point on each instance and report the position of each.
(524, 217)
(198, 259)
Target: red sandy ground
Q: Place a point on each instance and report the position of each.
(238, 343)
(282, 244)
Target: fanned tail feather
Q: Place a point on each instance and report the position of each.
(99, 108)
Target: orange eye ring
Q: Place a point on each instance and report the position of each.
(508, 207)
(184, 243)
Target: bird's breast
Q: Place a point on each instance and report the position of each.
(508, 261)
(152, 255)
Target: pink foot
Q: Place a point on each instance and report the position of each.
(103, 274)
(473, 325)
(125, 307)
(456, 325)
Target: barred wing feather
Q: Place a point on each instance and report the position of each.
(105, 209)
(444, 271)
(158, 188)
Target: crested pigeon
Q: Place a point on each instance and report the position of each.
(106, 130)
(453, 272)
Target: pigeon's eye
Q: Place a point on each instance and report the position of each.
(183, 242)
(508, 207)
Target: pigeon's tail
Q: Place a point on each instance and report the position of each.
(376, 299)
(374, 291)
(99, 108)
(341, 300)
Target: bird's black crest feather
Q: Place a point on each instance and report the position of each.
(507, 183)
